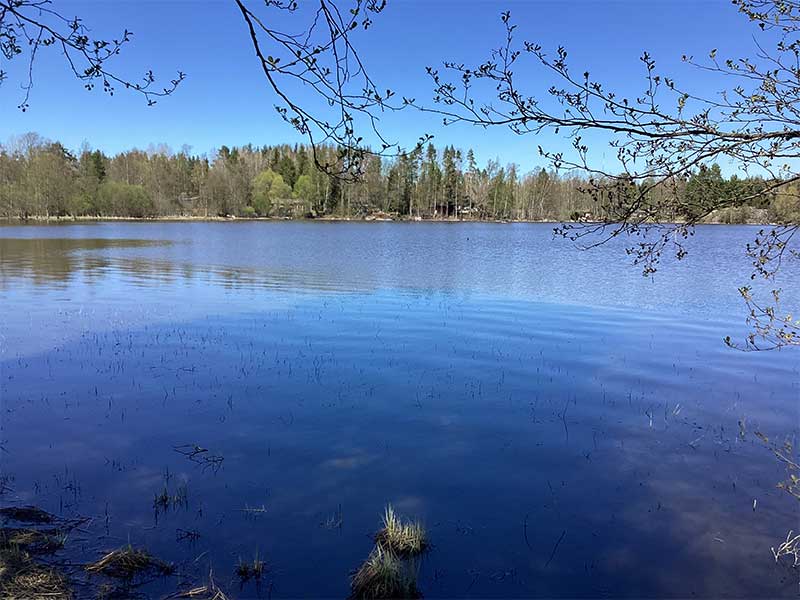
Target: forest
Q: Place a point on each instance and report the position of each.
(41, 178)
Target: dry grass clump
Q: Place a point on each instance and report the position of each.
(27, 514)
(12, 561)
(34, 583)
(22, 576)
(402, 538)
(127, 563)
(33, 540)
(22, 579)
(204, 592)
(210, 591)
(384, 575)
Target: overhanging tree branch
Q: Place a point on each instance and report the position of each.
(27, 26)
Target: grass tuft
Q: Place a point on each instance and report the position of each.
(402, 538)
(383, 575)
(127, 563)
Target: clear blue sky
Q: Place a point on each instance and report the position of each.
(225, 100)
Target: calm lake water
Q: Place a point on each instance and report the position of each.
(563, 426)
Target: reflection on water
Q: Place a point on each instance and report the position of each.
(58, 262)
(49, 261)
(520, 261)
(557, 437)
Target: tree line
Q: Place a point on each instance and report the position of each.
(41, 178)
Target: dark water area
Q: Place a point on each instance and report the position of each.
(563, 426)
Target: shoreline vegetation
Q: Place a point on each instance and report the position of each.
(44, 180)
(370, 218)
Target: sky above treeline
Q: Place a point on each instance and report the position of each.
(225, 99)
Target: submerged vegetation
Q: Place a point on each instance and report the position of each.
(30, 568)
(254, 569)
(387, 572)
(163, 501)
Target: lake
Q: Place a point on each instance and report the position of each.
(562, 426)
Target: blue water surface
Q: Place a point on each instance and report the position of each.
(563, 426)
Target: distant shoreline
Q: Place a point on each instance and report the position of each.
(40, 220)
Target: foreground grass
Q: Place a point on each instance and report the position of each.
(389, 571)
(22, 577)
(402, 538)
(384, 575)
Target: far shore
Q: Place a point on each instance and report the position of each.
(43, 220)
